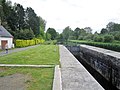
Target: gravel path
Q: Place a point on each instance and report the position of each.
(16, 50)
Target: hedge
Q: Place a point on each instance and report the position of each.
(110, 46)
(25, 43)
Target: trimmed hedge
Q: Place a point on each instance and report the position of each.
(25, 43)
(110, 46)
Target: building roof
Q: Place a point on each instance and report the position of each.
(4, 32)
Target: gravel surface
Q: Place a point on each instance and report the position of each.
(13, 82)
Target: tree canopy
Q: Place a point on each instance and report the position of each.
(52, 32)
(16, 20)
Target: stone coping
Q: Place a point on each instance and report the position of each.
(104, 51)
(74, 76)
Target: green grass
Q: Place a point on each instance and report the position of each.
(43, 54)
(50, 42)
(40, 78)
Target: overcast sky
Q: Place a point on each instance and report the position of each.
(75, 13)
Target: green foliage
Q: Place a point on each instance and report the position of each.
(80, 37)
(98, 38)
(33, 21)
(52, 32)
(25, 43)
(116, 35)
(88, 36)
(25, 34)
(0, 2)
(110, 46)
(104, 31)
(111, 27)
(67, 33)
(20, 16)
(108, 38)
(16, 20)
(48, 36)
(77, 32)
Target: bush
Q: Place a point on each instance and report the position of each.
(108, 38)
(110, 46)
(80, 38)
(98, 39)
(117, 36)
(25, 43)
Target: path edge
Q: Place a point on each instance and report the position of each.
(57, 84)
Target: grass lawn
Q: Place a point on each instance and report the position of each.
(43, 54)
(40, 78)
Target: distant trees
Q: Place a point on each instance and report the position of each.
(51, 33)
(66, 33)
(108, 34)
(104, 31)
(77, 34)
(21, 23)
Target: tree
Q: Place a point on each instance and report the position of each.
(98, 38)
(9, 19)
(19, 21)
(77, 33)
(20, 16)
(108, 38)
(104, 31)
(33, 21)
(66, 33)
(25, 34)
(52, 32)
(88, 29)
(1, 12)
(48, 36)
(109, 26)
(42, 27)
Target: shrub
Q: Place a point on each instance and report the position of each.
(117, 36)
(80, 38)
(25, 43)
(110, 46)
(98, 39)
(108, 38)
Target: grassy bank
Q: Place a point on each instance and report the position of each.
(43, 54)
(39, 78)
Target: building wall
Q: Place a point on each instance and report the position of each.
(9, 40)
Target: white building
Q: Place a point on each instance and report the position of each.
(5, 38)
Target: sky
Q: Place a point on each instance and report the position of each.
(75, 13)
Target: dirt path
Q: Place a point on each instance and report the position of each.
(13, 82)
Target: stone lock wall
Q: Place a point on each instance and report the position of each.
(74, 49)
(106, 62)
